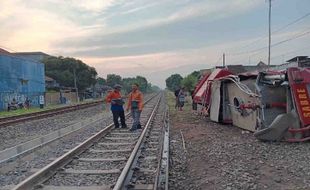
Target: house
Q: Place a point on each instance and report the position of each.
(35, 56)
(51, 83)
(298, 61)
(20, 79)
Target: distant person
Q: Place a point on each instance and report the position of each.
(135, 104)
(176, 94)
(117, 102)
(27, 103)
(181, 98)
(194, 104)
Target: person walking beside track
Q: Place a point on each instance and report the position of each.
(135, 104)
(176, 94)
(181, 99)
(117, 102)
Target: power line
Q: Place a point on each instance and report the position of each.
(278, 30)
(218, 61)
(273, 45)
(290, 52)
(291, 23)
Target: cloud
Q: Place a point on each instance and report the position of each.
(140, 8)
(172, 32)
(151, 38)
(93, 5)
(34, 29)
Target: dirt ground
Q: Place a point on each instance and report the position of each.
(225, 157)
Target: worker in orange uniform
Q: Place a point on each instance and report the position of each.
(135, 104)
(117, 102)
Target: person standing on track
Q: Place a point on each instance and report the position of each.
(135, 104)
(117, 102)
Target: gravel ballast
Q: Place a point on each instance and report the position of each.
(19, 133)
(226, 157)
(15, 171)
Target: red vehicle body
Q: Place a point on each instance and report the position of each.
(275, 105)
(203, 89)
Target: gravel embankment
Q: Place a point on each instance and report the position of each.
(225, 157)
(17, 170)
(22, 132)
(14, 172)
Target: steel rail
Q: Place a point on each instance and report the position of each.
(123, 178)
(46, 113)
(49, 170)
(162, 174)
(162, 147)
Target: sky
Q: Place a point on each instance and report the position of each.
(156, 38)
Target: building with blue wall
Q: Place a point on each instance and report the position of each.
(20, 79)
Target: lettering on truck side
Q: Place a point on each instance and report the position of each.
(303, 101)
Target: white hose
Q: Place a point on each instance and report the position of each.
(242, 86)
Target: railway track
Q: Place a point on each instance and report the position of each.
(112, 158)
(43, 114)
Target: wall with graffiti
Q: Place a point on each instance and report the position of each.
(20, 79)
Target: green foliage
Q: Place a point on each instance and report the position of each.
(174, 82)
(113, 79)
(154, 88)
(62, 70)
(196, 74)
(127, 82)
(101, 81)
(141, 81)
(189, 82)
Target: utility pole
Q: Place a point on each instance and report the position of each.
(75, 86)
(223, 59)
(269, 43)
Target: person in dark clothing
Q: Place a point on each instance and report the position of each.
(194, 104)
(27, 103)
(115, 98)
(176, 94)
(181, 99)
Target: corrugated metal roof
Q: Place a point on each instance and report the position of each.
(49, 78)
(4, 52)
(31, 53)
(297, 58)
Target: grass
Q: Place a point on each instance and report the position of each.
(26, 111)
(185, 116)
(23, 111)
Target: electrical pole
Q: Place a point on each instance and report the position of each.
(223, 59)
(269, 43)
(75, 86)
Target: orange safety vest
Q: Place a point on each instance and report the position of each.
(135, 96)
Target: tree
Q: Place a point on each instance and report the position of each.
(174, 82)
(62, 68)
(189, 82)
(127, 82)
(142, 82)
(101, 81)
(153, 88)
(113, 79)
(196, 74)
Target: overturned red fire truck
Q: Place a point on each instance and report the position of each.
(273, 103)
